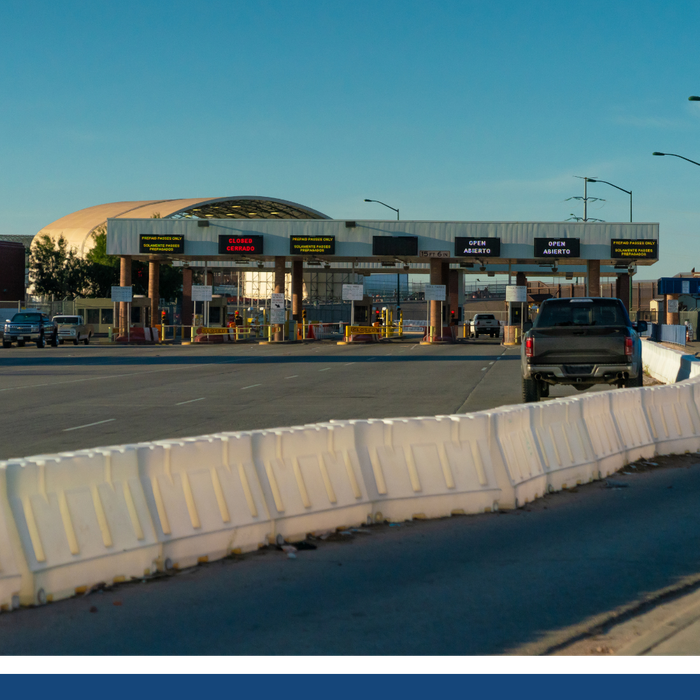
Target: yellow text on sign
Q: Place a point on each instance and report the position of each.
(213, 331)
(365, 330)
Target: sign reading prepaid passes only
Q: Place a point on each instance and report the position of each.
(435, 292)
(121, 294)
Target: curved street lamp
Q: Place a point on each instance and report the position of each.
(629, 192)
(386, 205)
(675, 155)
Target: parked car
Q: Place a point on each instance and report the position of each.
(581, 342)
(72, 328)
(29, 326)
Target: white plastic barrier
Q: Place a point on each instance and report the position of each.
(10, 572)
(603, 432)
(311, 478)
(632, 424)
(81, 519)
(204, 497)
(566, 449)
(673, 417)
(518, 447)
(427, 467)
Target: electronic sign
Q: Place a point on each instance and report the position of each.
(240, 245)
(394, 245)
(477, 247)
(557, 247)
(162, 244)
(312, 245)
(634, 250)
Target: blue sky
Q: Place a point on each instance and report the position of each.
(448, 110)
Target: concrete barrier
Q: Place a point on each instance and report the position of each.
(81, 519)
(632, 423)
(204, 497)
(668, 365)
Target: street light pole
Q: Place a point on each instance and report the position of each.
(398, 276)
(629, 192)
(675, 155)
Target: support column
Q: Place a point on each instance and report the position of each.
(124, 281)
(453, 294)
(154, 290)
(297, 289)
(280, 262)
(623, 290)
(187, 306)
(672, 319)
(593, 279)
(435, 321)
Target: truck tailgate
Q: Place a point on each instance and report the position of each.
(579, 345)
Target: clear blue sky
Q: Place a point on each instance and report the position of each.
(470, 110)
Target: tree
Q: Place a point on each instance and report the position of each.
(55, 270)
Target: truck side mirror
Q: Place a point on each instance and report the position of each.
(640, 326)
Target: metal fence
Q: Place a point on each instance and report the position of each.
(672, 334)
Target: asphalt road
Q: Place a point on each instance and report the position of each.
(68, 398)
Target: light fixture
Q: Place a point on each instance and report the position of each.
(388, 263)
(483, 268)
(313, 263)
(465, 264)
(327, 265)
(261, 265)
(569, 275)
(407, 267)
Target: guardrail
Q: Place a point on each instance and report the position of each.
(71, 520)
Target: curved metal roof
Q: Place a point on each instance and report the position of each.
(77, 228)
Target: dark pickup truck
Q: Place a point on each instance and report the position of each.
(581, 342)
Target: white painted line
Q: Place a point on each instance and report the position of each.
(89, 425)
(250, 387)
(182, 403)
(349, 363)
(294, 376)
(483, 369)
(491, 363)
(325, 369)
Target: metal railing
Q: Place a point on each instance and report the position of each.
(672, 334)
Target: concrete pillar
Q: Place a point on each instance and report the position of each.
(593, 279)
(435, 278)
(187, 296)
(154, 290)
(297, 289)
(124, 281)
(623, 289)
(280, 262)
(672, 319)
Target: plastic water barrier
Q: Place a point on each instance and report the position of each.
(79, 519)
(428, 467)
(72, 520)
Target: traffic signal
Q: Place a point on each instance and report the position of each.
(303, 314)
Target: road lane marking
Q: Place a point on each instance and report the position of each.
(490, 363)
(250, 387)
(89, 425)
(483, 369)
(294, 376)
(182, 403)
(349, 363)
(325, 369)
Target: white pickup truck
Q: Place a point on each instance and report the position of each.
(485, 324)
(72, 328)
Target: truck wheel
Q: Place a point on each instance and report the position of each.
(476, 335)
(75, 341)
(54, 340)
(531, 391)
(6, 344)
(87, 340)
(41, 341)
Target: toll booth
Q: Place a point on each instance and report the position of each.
(99, 313)
(363, 311)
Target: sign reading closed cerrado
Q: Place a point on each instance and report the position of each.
(238, 245)
(557, 247)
